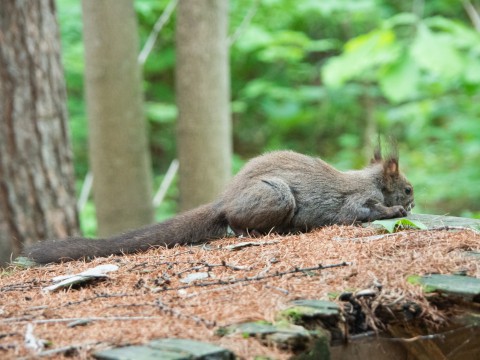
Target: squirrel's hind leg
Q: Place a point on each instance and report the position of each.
(266, 205)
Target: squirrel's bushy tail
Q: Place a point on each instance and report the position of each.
(204, 223)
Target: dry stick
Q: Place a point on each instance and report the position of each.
(221, 288)
(372, 237)
(97, 296)
(379, 237)
(258, 278)
(22, 286)
(162, 20)
(461, 228)
(85, 192)
(432, 336)
(95, 318)
(203, 264)
(64, 349)
(245, 22)
(472, 14)
(165, 185)
(167, 309)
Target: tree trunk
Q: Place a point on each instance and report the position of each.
(37, 193)
(370, 132)
(203, 99)
(118, 149)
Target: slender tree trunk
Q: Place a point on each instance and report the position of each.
(37, 194)
(203, 99)
(119, 154)
(370, 132)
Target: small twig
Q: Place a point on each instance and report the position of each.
(165, 185)
(362, 336)
(199, 265)
(221, 288)
(96, 318)
(381, 236)
(162, 20)
(370, 238)
(472, 14)
(432, 336)
(460, 228)
(283, 291)
(210, 266)
(85, 192)
(164, 307)
(258, 278)
(245, 22)
(97, 296)
(60, 350)
(242, 245)
(27, 285)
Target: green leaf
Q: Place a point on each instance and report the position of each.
(472, 70)
(392, 225)
(414, 279)
(437, 53)
(24, 262)
(161, 113)
(399, 82)
(463, 36)
(402, 19)
(361, 55)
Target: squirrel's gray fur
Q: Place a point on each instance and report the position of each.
(282, 192)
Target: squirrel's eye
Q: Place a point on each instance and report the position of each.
(408, 190)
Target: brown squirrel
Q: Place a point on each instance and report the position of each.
(281, 192)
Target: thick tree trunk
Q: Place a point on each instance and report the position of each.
(203, 99)
(117, 129)
(37, 194)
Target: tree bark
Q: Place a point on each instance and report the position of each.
(118, 148)
(37, 193)
(203, 100)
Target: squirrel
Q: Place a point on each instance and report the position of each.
(282, 192)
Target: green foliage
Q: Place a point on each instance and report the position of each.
(88, 221)
(414, 279)
(427, 71)
(315, 76)
(24, 262)
(393, 225)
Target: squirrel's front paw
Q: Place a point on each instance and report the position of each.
(398, 211)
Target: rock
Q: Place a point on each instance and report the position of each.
(167, 349)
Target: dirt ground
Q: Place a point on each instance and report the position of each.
(146, 298)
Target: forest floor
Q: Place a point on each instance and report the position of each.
(149, 297)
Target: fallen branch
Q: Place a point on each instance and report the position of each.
(382, 236)
(174, 312)
(257, 277)
(203, 265)
(441, 335)
(63, 350)
(96, 318)
(370, 238)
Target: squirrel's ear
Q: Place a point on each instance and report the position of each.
(390, 167)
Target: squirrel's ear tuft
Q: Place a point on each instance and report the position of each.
(390, 167)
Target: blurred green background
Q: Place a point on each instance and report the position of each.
(323, 78)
